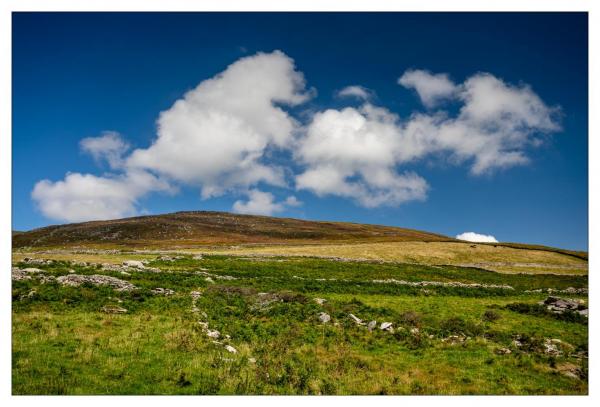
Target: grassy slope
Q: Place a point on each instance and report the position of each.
(185, 229)
(63, 344)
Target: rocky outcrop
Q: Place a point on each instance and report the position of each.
(442, 284)
(559, 305)
(75, 280)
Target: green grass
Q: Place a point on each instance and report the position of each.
(64, 344)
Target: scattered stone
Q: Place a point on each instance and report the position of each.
(559, 305)
(442, 284)
(75, 280)
(124, 273)
(320, 301)
(214, 276)
(19, 275)
(414, 331)
(570, 370)
(324, 317)
(203, 325)
(551, 348)
(33, 270)
(357, 320)
(30, 294)
(503, 351)
(252, 360)
(454, 339)
(209, 280)
(195, 295)
(197, 257)
(113, 309)
(371, 325)
(230, 349)
(46, 279)
(71, 271)
(213, 334)
(134, 263)
(386, 326)
(162, 291)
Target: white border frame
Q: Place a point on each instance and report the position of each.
(8, 6)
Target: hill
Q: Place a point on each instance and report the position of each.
(213, 228)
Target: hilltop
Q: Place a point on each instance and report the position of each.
(214, 228)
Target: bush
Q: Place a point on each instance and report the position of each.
(491, 316)
(458, 326)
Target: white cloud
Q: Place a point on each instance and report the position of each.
(83, 197)
(216, 136)
(431, 88)
(476, 237)
(222, 137)
(355, 91)
(352, 153)
(263, 203)
(109, 146)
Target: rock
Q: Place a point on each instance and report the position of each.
(357, 320)
(162, 291)
(371, 325)
(71, 271)
(113, 309)
(209, 280)
(195, 294)
(551, 348)
(124, 273)
(203, 325)
(454, 339)
(75, 280)
(324, 317)
(230, 349)
(503, 351)
(19, 275)
(33, 270)
(386, 326)
(414, 331)
(213, 334)
(252, 360)
(320, 301)
(134, 263)
(197, 257)
(570, 370)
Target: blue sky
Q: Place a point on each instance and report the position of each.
(516, 169)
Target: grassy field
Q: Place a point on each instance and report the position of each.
(491, 257)
(448, 338)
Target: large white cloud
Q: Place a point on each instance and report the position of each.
(82, 197)
(476, 237)
(216, 135)
(223, 135)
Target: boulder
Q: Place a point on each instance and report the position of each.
(230, 349)
(324, 317)
(386, 326)
(162, 291)
(213, 334)
(134, 263)
(75, 280)
(113, 309)
(371, 325)
(356, 319)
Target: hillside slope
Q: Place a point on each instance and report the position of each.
(194, 228)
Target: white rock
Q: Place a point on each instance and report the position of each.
(252, 360)
(213, 334)
(372, 325)
(210, 280)
(320, 301)
(230, 349)
(385, 326)
(356, 319)
(134, 263)
(125, 273)
(324, 317)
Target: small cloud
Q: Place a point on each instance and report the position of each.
(432, 88)
(109, 147)
(293, 201)
(476, 237)
(355, 91)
